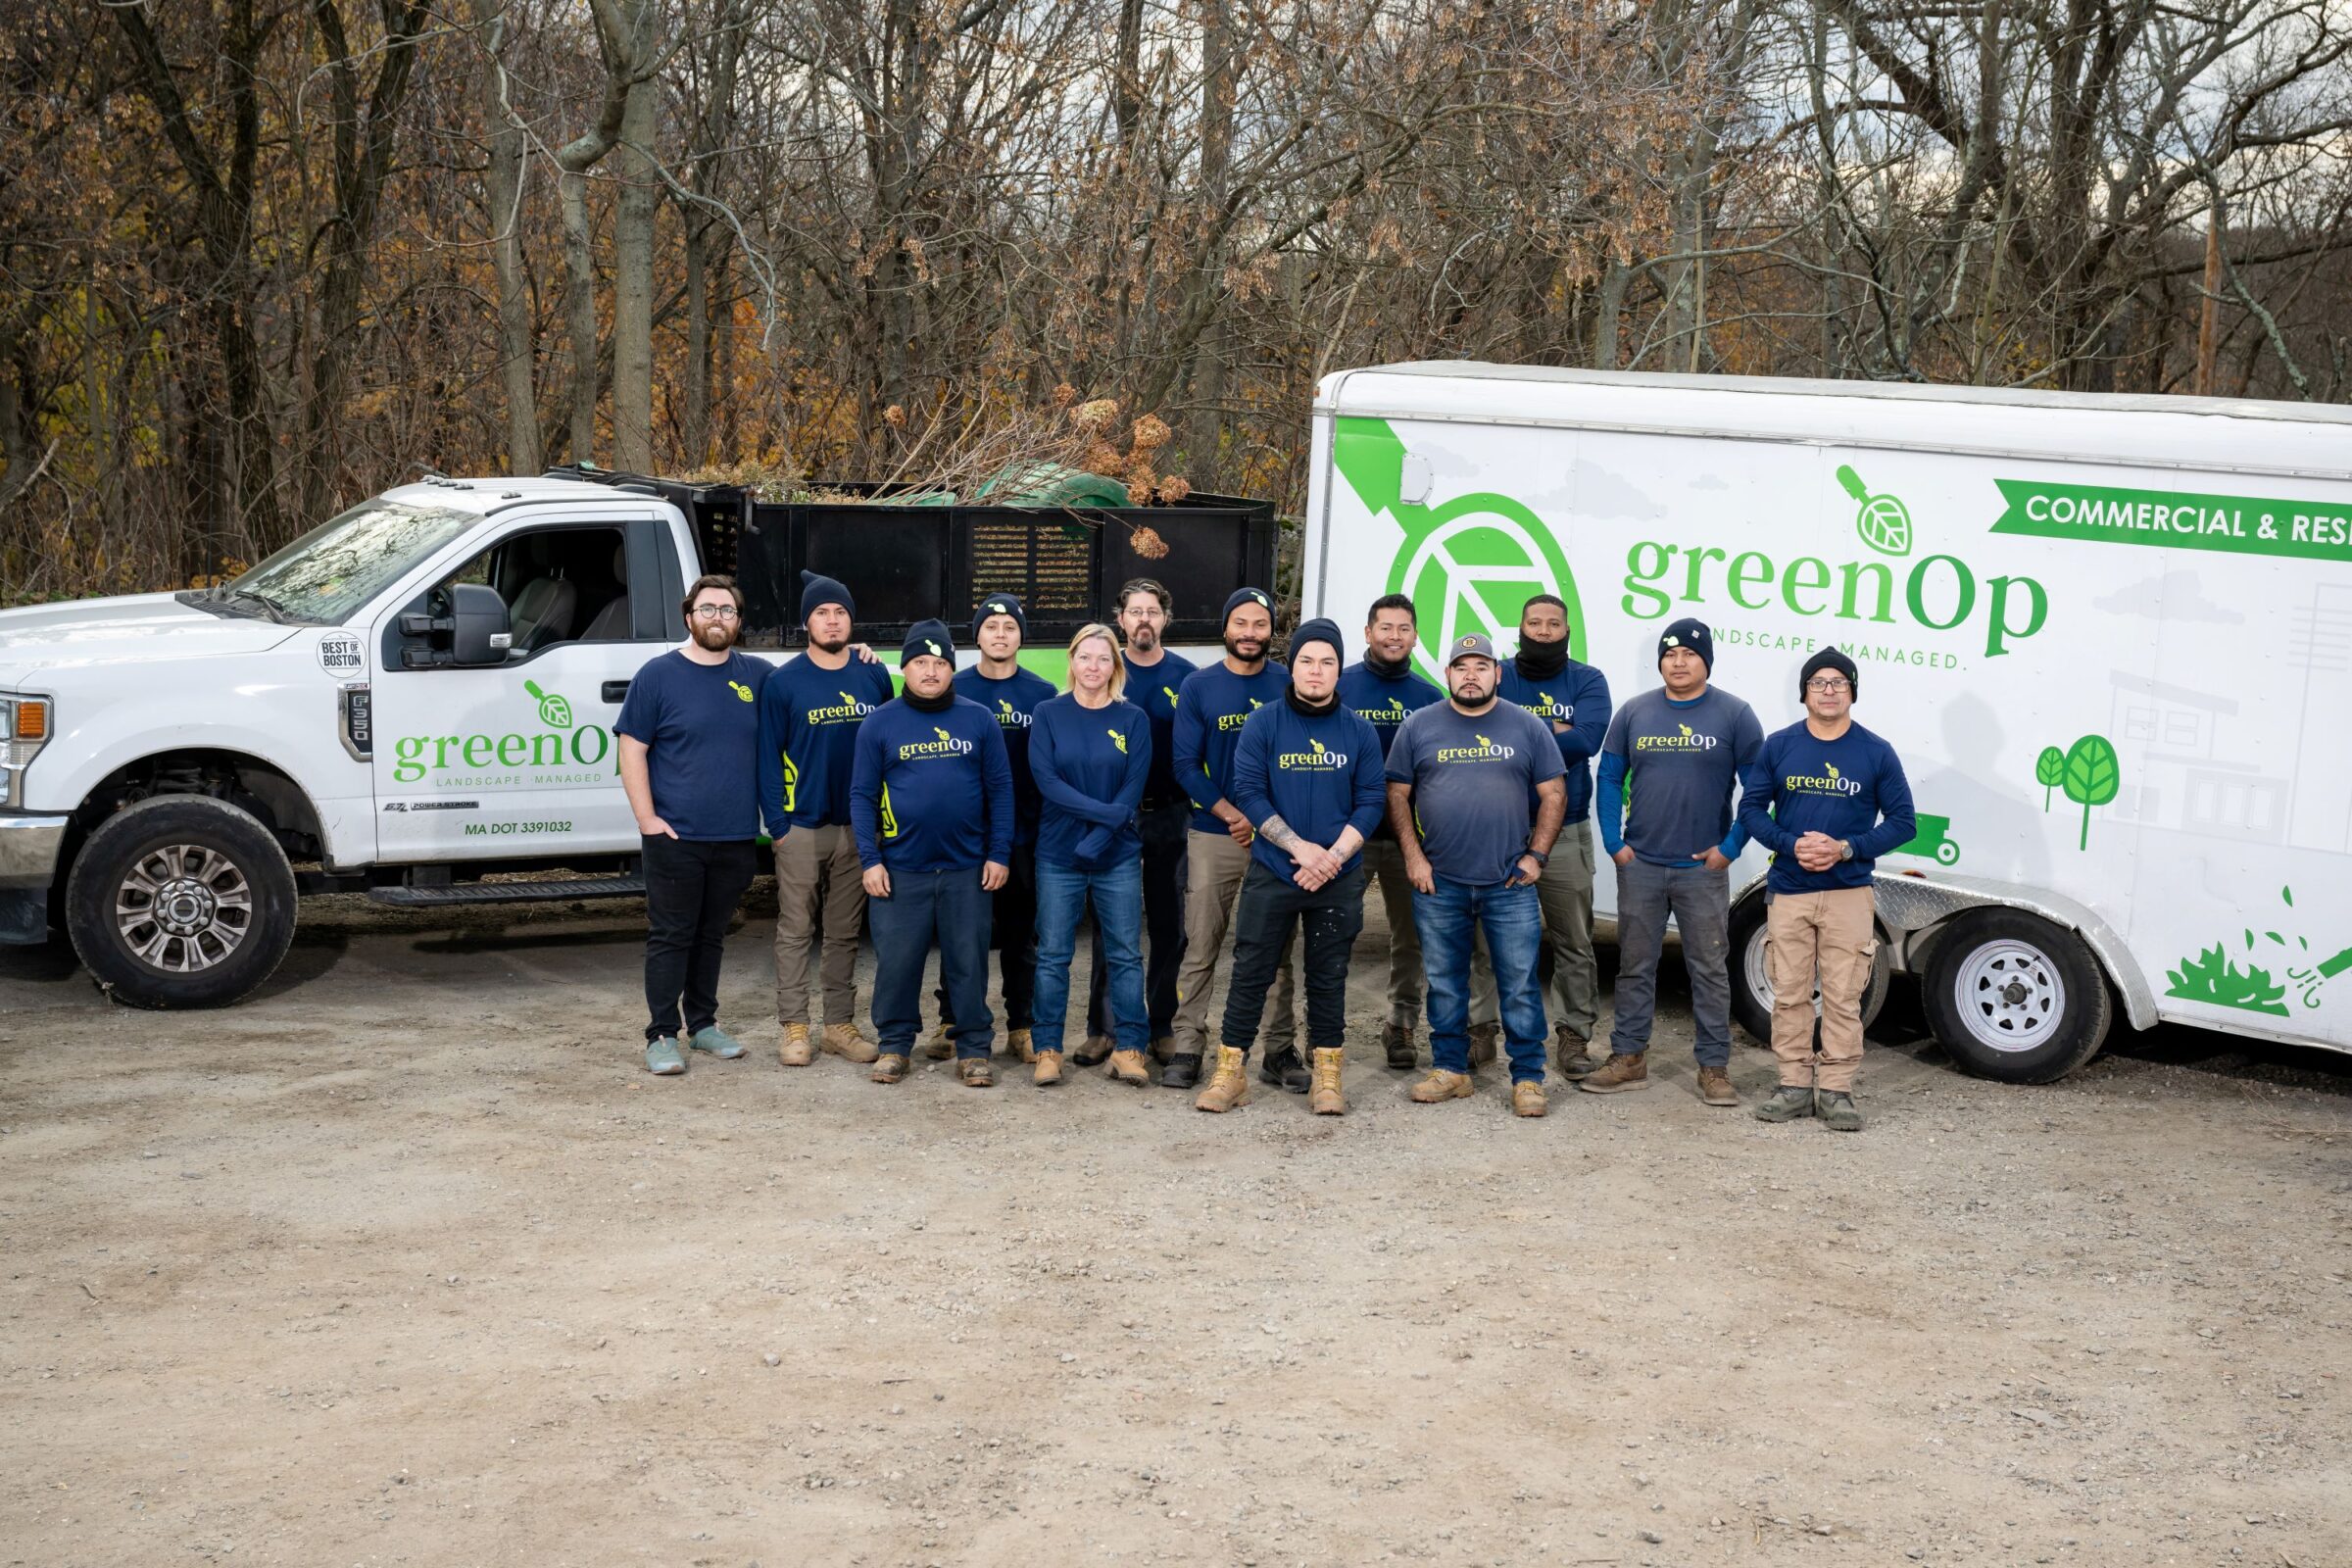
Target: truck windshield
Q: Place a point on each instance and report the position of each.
(338, 566)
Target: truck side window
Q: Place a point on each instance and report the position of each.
(559, 584)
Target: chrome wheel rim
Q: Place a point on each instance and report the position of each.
(183, 908)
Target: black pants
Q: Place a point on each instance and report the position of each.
(1270, 907)
(1163, 829)
(1012, 914)
(691, 891)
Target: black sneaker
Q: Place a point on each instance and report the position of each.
(1182, 1071)
(1284, 1068)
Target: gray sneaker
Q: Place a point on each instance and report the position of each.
(1787, 1104)
(661, 1057)
(1837, 1111)
(718, 1041)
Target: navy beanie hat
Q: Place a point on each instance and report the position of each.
(816, 591)
(1830, 658)
(1246, 596)
(927, 638)
(1318, 631)
(1692, 634)
(1000, 605)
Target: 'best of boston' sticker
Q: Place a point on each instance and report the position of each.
(340, 654)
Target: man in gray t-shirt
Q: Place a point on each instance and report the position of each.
(1477, 799)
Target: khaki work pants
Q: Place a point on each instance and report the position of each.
(1828, 936)
(820, 887)
(1384, 862)
(1214, 867)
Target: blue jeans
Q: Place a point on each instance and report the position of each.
(951, 909)
(1117, 895)
(1513, 921)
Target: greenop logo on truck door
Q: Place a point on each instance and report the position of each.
(484, 760)
(1468, 565)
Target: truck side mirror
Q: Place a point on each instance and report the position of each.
(479, 631)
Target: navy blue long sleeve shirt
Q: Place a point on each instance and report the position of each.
(1579, 698)
(1153, 688)
(932, 792)
(1013, 699)
(1851, 787)
(1319, 774)
(1210, 712)
(808, 720)
(1091, 766)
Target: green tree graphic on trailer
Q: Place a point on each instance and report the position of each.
(2088, 772)
(2049, 770)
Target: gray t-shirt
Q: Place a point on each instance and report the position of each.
(1681, 764)
(1474, 783)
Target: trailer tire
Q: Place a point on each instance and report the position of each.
(2015, 997)
(180, 901)
(1752, 976)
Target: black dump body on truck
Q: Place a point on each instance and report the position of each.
(908, 560)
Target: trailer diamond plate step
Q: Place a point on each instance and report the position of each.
(590, 887)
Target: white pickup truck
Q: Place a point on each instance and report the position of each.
(418, 695)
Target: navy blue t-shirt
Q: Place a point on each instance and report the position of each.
(1474, 779)
(1385, 702)
(931, 792)
(1851, 787)
(1153, 688)
(809, 718)
(1579, 698)
(1013, 701)
(701, 727)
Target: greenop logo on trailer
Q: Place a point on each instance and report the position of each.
(1468, 565)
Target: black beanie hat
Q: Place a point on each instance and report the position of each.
(1244, 596)
(927, 637)
(1830, 658)
(1692, 634)
(1000, 605)
(1319, 630)
(816, 591)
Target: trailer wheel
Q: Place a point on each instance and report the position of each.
(181, 901)
(2015, 997)
(1752, 976)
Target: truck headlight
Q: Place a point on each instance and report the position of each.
(25, 726)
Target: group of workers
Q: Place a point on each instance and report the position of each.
(983, 810)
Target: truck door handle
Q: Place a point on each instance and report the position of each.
(615, 690)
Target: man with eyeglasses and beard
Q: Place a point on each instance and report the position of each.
(689, 736)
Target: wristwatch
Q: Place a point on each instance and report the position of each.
(1537, 856)
(1846, 849)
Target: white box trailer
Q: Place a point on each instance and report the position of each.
(2111, 638)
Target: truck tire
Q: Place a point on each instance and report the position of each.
(1752, 976)
(2015, 997)
(181, 901)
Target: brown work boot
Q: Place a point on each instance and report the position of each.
(1573, 1054)
(1715, 1086)
(1443, 1085)
(1323, 1096)
(976, 1073)
(844, 1040)
(1093, 1051)
(1484, 1038)
(797, 1049)
(1229, 1086)
(940, 1045)
(1016, 1044)
(1396, 1039)
(1624, 1070)
(1048, 1068)
(1527, 1100)
(1130, 1067)
(889, 1068)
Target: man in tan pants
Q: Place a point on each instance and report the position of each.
(1828, 797)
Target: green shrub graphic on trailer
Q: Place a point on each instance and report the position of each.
(2054, 602)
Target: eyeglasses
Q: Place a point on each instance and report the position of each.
(717, 613)
(1826, 688)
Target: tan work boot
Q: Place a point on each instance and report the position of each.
(889, 1068)
(1130, 1067)
(844, 1040)
(939, 1046)
(1624, 1070)
(797, 1049)
(1227, 1087)
(1527, 1100)
(1715, 1086)
(1323, 1096)
(1017, 1043)
(976, 1073)
(1484, 1038)
(1442, 1085)
(1048, 1068)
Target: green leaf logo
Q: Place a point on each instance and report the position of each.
(2048, 770)
(1883, 522)
(2091, 778)
(554, 711)
(1469, 564)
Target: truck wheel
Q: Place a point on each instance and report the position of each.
(2015, 997)
(1752, 976)
(180, 901)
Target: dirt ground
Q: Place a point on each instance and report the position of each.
(407, 1260)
